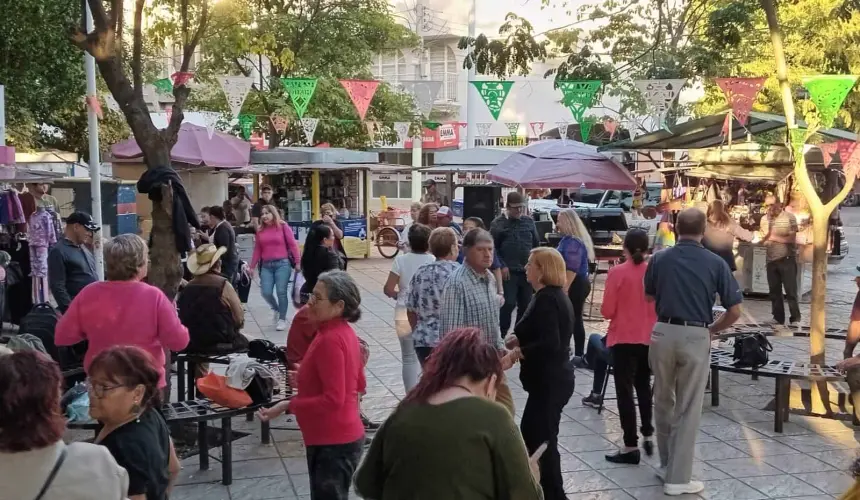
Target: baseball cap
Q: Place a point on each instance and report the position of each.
(443, 211)
(515, 200)
(83, 219)
(430, 182)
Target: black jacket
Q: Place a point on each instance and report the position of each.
(316, 261)
(70, 269)
(544, 335)
(183, 213)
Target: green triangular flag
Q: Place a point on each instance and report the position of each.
(579, 95)
(585, 127)
(828, 92)
(431, 125)
(798, 140)
(494, 95)
(301, 90)
(246, 123)
(164, 85)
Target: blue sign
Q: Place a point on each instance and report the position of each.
(356, 228)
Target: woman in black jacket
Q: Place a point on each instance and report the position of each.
(318, 256)
(543, 338)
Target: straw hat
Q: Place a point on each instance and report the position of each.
(203, 257)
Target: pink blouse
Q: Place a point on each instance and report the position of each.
(631, 317)
(275, 243)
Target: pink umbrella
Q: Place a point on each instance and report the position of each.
(194, 147)
(557, 164)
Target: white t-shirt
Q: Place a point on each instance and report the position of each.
(405, 265)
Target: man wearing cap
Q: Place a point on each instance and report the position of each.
(432, 195)
(266, 193)
(515, 236)
(71, 265)
(445, 218)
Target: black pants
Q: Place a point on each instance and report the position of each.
(578, 292)
(781, 274)
(518, 294)
(331, 468)
(539, 425)
(632, 371)
(423, 353)
(598, 357)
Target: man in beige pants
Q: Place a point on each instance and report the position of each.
(683, 281)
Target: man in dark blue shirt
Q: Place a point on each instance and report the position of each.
(683, 281)
(515, 236)
(71, 266)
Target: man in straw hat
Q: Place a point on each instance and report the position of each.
(209, 306)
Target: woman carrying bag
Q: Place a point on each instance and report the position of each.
(277, 253)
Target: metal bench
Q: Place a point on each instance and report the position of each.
(186, 364)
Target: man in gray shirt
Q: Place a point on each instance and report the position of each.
(683, 281)
(71, 265)
(780, 236)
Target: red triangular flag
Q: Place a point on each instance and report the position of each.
(537, 128)
(361, 92)
(180, 78)
(726, 121)
(741, 94)
(280, 123)
(827, 151)
(849, 156)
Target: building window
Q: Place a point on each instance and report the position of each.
(405, 188)
(443, 67)
(390, 66)
(387, 188)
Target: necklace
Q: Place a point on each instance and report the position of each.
(463, 387)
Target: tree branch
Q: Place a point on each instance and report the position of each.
(100, 17)
(850, 177)
(181, 92)
(137, 49)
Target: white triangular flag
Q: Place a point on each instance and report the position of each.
(633, 127)
(309, 125)
(111, 103)
(659, 96)
(402, 131)
(562, 130)
(210, 119)
(424, 93)
(484, 129)
(236, 88)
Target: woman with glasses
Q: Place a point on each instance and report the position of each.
(330, 380)
(125, 399)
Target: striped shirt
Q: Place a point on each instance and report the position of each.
(470, 300)
(782, 232)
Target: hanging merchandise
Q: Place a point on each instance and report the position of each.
(181, 78)
(309, 126)
(513, 128)
(798, 138)
(111, 103)
(537, 128)
(828, 92)
(659, 96)
(163, 85)
(484, 129)
(402, 131)
(610, 125)
(361, 92)
(741, 94)
(562, 130)
(210, 119)
(94, 104)
(41, 236)
(301, 91)
(236, 88)
(423, 92)
(280, 123)
(246, 124)
(579, 95)
(585, 127)
(494, 95)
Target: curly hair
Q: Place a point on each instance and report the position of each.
(30, 416)
(425, 217)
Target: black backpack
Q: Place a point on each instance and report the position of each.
(751, 350)
(41, 322)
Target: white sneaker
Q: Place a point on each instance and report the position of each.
(281, 326)
(276, 316)
(690, 488)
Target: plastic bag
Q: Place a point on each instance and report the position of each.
(297, 290)
(214, 387)
(78, 409)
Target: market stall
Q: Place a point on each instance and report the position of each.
(454, 170)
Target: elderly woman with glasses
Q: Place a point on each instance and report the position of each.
(123, 310)
(125, 399)
(330, 379)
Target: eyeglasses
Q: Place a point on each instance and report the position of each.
(101, 390)
(315, 297)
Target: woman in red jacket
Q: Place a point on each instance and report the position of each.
(330, 380)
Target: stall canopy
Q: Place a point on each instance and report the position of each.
(194, 147)
(469, 160)
(561, 164)
(273, 161)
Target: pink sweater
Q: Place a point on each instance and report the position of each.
(109, 313)
(631, 317)
(274, 243)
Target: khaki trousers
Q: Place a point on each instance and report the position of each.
(504, 396)
(680, 359)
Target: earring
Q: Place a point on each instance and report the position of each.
(135, 408)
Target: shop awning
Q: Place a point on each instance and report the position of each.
(750, 173)
(193, 147)
(319, 156)
(280, 168)
(469, 160)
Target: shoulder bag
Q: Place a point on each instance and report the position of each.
(52, 474)
(751, 350)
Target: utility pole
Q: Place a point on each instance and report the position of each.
(471, 102)
(2, 116)
(95, 160)
(417, 163)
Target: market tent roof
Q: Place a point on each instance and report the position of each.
(194, 147)
(306, 155)
(469, 160)
(279, 168)
(706, 132)
(21, 174)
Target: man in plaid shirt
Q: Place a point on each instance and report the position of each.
(470, 300)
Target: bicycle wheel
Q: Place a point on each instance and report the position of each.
(386, 242)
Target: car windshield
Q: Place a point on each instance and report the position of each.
(592, 196)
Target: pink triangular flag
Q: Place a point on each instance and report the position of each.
(280, 123)
(169, 112)
(849, 154)
(180, 78)
(361, 92)
(827, 151)
(93, 102)
(537, 128)
(610, 125)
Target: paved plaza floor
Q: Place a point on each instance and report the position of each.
(737, 453)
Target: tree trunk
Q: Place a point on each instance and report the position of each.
(165, 271)
(820, 396)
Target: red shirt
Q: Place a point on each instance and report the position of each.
(303, 329)
(109, 313)
(631, 317)
(274, 243)
(330, 379)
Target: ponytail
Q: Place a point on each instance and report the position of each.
(638, 257)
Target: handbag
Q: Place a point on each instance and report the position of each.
(751, 350)
(287, 245)
(215, 387)
(52, 474)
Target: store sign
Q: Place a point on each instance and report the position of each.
(383, 177)
(445, 136)
(354, 237)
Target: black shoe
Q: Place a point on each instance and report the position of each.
(631, 457)
(579, 362)
(368, 424)
(648, 446)
(592, 400)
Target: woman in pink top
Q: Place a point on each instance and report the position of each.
(631, 319)
(277, 253)
(123, 310)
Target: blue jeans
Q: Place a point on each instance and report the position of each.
(275, 278)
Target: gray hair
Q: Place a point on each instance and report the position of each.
(476, 236)
(124, 256)
(341, 287)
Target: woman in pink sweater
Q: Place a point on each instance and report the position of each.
(123, 310)
(276, 251)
